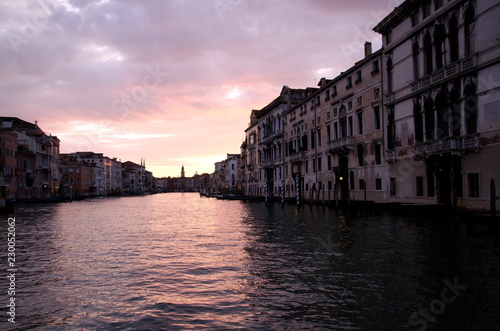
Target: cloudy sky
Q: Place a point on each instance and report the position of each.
(171, 81)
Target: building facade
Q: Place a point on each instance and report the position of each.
(442, 96)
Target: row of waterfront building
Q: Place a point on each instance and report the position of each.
(32, 167)
(417, 121)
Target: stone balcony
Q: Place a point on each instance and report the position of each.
(271, 136)
(341, 145)
(449, 71)
(447, 145)
(298, 157)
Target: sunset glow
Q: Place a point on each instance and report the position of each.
(172, 82)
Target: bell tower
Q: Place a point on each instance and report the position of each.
(183, 174)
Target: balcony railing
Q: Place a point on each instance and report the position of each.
(342, 144)
(298, 157)
(390, 156)
(271, 136)
(447, 145)
(448, 72)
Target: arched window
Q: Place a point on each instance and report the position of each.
(456, 118)
(419, 125)
(428, 54)
(470, 108)
(469, 31)
(442, 111)
(416, 64)
(440, 46)
(453, 38)
(429, 118)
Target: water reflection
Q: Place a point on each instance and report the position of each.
(178, 262)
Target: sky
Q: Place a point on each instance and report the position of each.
(169, 81)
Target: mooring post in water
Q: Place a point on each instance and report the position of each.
(364, 189)
(282, 192)
(297, 190)
(265, 192)
(493, 198)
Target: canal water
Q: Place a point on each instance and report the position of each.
(180, 262)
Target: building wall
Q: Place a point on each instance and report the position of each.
(445, 102)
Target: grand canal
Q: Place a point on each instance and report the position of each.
(180, 262)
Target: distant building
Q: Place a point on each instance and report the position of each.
(76, 177)
(225, 177)
(134, 178)
(8, 163)
(44, 178)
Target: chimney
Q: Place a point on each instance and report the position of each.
(368, 49)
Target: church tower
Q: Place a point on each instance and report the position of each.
(183, 174)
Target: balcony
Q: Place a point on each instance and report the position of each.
(447, 145)
(298, 157)
(390, 156)
(341, 145)
(269, 164)
(470, 143)
(442, 74)
(271, 136)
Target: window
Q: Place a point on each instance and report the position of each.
(335, 131)
(473, 185)
(360, 122)
(429, 119)
(388, 37)
(359, 79)
(351, 131)
(351, 180)
(469, 28)
(319, 164)
(329, 160)
(389, 74)
(328, 133)
(375, 68)
(419, 125)
(349, 106)
(428, 54)
(313, 139)
(416, 62)
(376, 114)
(307, 166)
(470, 108)
(314, 165)
(420, 186)
(453, 39)
(438, 4)
(361, 184)
(359, 101)
(378, 154)
(414, 19)
(349, 83)
(319, 137)
(426, 10)
(440, 46)
(334, 91)
(392, 184)
(361, 155)
(327, 97)
(378, 183)
(376, 94)
(391, 130)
